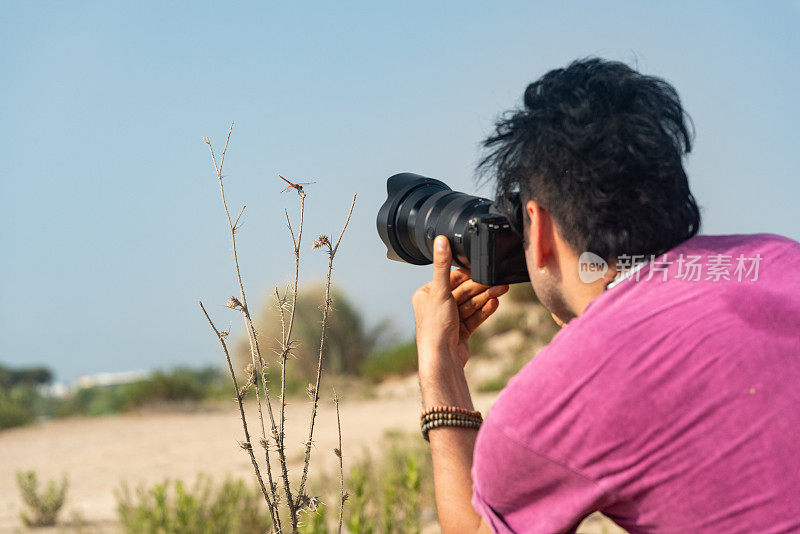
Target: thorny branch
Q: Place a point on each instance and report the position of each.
(286, 344)
(338, 452)
(255, 353)
(322, 241)
(247, 445)
(257, 367)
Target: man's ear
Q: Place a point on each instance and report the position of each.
(540, 233)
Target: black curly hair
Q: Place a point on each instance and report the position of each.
(600, 146)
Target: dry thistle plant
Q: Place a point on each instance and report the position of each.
(272, 440)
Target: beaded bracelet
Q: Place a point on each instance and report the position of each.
(451, 416)
(451, 409)
(448, 417)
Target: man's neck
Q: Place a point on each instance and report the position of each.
(579, 294)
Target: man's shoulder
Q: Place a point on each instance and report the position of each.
(733, 242)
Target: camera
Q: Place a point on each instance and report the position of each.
(485, 236)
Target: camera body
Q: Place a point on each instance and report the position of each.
(484, 235)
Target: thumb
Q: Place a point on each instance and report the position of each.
(442, 260)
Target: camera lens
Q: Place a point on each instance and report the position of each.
(418, 209)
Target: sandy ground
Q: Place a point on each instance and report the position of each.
(100, 453)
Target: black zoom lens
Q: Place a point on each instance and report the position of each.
(481, 237)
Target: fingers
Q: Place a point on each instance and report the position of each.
(477, 318)
(475, 303)
(468, 289)
(458, 277)
(442, 260)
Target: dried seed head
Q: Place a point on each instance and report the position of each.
(234, 304)
(243, 391)
(311, 390)
(245, 445)
(337, 452)
(251, 373)
(345, 497)
(308, 503)
(321, 242)
(313, 504)
(262, 442)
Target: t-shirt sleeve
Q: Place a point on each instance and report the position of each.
(516, 489)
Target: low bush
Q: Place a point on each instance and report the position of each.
(94, 400)
(43, 507)
(391, 494)
(17, 406)
(163, 387)
(396, 360)
(232, 507)
(22, 403)
(181, 384)
(347, 341)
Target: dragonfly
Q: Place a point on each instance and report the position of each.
(298, 186)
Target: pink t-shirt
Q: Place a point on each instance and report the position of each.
(671, 405)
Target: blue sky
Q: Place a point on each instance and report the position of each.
(111, 227)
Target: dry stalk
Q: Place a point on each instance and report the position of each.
(322, 241)
(273, 509)
(257, 366)
(338, 452)
(286, 344)
(255, 352)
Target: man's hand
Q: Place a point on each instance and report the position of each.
(447, 311)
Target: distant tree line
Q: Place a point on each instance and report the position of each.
(26, 376)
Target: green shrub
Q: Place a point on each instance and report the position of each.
(360, 521)
(22, 404)
(42, 508)
(95, 400)
(315, 521)
(347, 342)
(163, 387)
(20, 400)
(180, 384)
(17, 406)
(392, 494)
(232, 507)
(396, 360)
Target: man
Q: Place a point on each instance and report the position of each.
(670, 400)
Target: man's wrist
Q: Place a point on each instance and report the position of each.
(443, 383)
